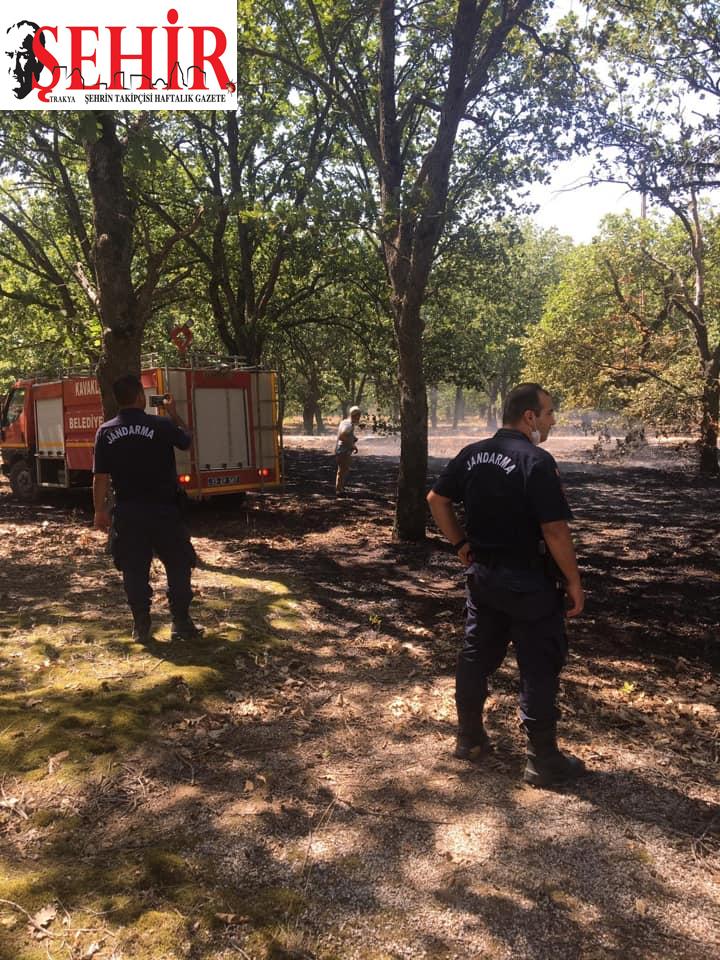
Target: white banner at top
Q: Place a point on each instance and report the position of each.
(138, 55)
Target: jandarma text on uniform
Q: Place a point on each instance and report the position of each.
(499, 459)
(134, 430)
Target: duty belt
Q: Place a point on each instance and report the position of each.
(508, 558)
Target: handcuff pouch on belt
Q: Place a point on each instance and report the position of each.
(543, 560)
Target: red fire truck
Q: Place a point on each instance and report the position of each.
(47, 428)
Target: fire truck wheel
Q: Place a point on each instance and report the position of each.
(22, 482)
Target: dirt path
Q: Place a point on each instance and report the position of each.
(285, 787)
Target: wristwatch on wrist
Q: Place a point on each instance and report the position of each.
(460, 543)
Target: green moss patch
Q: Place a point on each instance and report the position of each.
(79, 704)
(86, 718)
(156, 935)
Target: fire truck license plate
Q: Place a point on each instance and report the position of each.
(222, 481)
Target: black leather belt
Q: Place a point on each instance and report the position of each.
(506, 558)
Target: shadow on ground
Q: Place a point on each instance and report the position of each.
(285, 783)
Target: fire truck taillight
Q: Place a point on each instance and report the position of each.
(184, 478)
(264, 472)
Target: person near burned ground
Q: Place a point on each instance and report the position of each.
(135, 453)
(521, 564)
(345, 447)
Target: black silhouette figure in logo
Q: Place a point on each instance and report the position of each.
(21, 62)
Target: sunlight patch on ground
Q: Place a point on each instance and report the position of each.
(244, 584)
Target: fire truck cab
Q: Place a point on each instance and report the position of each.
(16, 426)
(48, 426)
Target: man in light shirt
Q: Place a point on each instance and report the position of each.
(345, 447)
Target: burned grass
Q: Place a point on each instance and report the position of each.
(284, 786)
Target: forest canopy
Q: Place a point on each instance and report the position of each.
(361, 223)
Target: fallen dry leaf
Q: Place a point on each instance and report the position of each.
(56, 759)
(11, 803)
(42, 919)
(45, 916)
(641, 908)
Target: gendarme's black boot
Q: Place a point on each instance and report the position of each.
(472, 741)
(547, 765)
(142, 627)
(184, 629)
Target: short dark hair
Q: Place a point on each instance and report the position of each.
(526, 396)
(127, 389)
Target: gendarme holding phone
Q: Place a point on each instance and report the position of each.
(135, 452)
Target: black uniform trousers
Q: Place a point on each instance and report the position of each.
(497, 612)
(141, 530)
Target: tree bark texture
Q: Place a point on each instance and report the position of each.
(122, 322)
(308, 414)
(709, 465)
(410, 510)
(710, 358)
(459, 407)
(433, 407)
(492, 417)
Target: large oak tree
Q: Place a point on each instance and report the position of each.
(454, 105)
(71, 224)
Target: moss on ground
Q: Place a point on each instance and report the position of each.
(156, 935)
(88, 721)
(76, 692)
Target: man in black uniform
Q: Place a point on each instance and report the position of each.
(521, 563)
(136, 453)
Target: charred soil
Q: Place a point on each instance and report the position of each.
(284, 787)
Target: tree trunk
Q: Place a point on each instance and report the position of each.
(281, 401)
(319, 420)
(249, 345)
(113, 221)
(459, 408)
(694, 309)
(411, 509)
(413, 206)
(309, 407)
(492, 411)
(433, 406)
(120, 356)
(709, 465)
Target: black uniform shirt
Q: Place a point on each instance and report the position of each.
(137, 450)
(509, 486)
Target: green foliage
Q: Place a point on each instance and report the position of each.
(652, 112)
(290, 262)
(51, 309)
(46, 317)
(334, 348)
(491, 290)
(611, 336)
